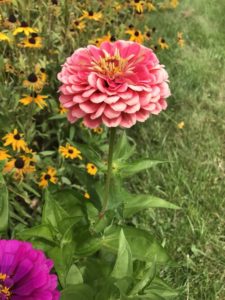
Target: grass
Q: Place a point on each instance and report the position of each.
(194, 176)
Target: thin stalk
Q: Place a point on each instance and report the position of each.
(112, 134)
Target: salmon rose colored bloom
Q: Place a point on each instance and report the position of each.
(25, 273)
(116, 84)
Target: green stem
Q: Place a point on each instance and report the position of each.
(112, 134)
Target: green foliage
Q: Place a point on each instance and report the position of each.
(124, 263)
(78, 292)
(80, 241)
(4, 204)
(99, 252)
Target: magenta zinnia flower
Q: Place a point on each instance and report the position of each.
(25, 273)
(117, 84)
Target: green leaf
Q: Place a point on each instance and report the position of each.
(129, 169)
(146, 279)
(124, 263)
(85, 243)
(40, 231)
(4, 205)
(62, 258)
(29, 189)
(74, 276)
(123, 150)
(108, 291)
(77, 292)
(115, 193)
(68, 200)
(159, 288)
(136, 203)
(143, 246)
(53, 213)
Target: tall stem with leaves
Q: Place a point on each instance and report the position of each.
(112, 134)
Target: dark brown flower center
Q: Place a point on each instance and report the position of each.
(90, 13)
(19, 163)
(70, 151)
(42, 70)
(34, 34)
(47, 177)
(24, 24)
(33, 95)
(17, 136)
(54, 2)
(113, 38)
(12, 19)
(163, 41)
(32, 40)
(32, 77)
(136, 33)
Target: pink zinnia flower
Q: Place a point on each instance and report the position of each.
(117, 84)
(25, 273)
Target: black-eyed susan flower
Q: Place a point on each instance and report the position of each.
(41, 73)
(33, 82)
(24, 28)
(91, 169)
(11, 22)
(180, 39)
(9, 68)
(62, 110)
(20, 166)
(181, 125)
(47, 177)
(148, 35)
(105, 38)
(55, 8)
(87, 195)
(4, 155)
(97, 42)
(39, 100)
(117, 6)
(70, 151)
(78, 24)
(91, 15)
(98, 130)
(108, 38)
(162, 43)
(4, 37)
(138, 5)
(15, 139)
(34, 41)
(135, 35)
(29, 151)
(174, 3)
(150, 6)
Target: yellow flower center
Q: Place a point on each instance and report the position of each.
(3, 277)
(4, 290)
(111, 66)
